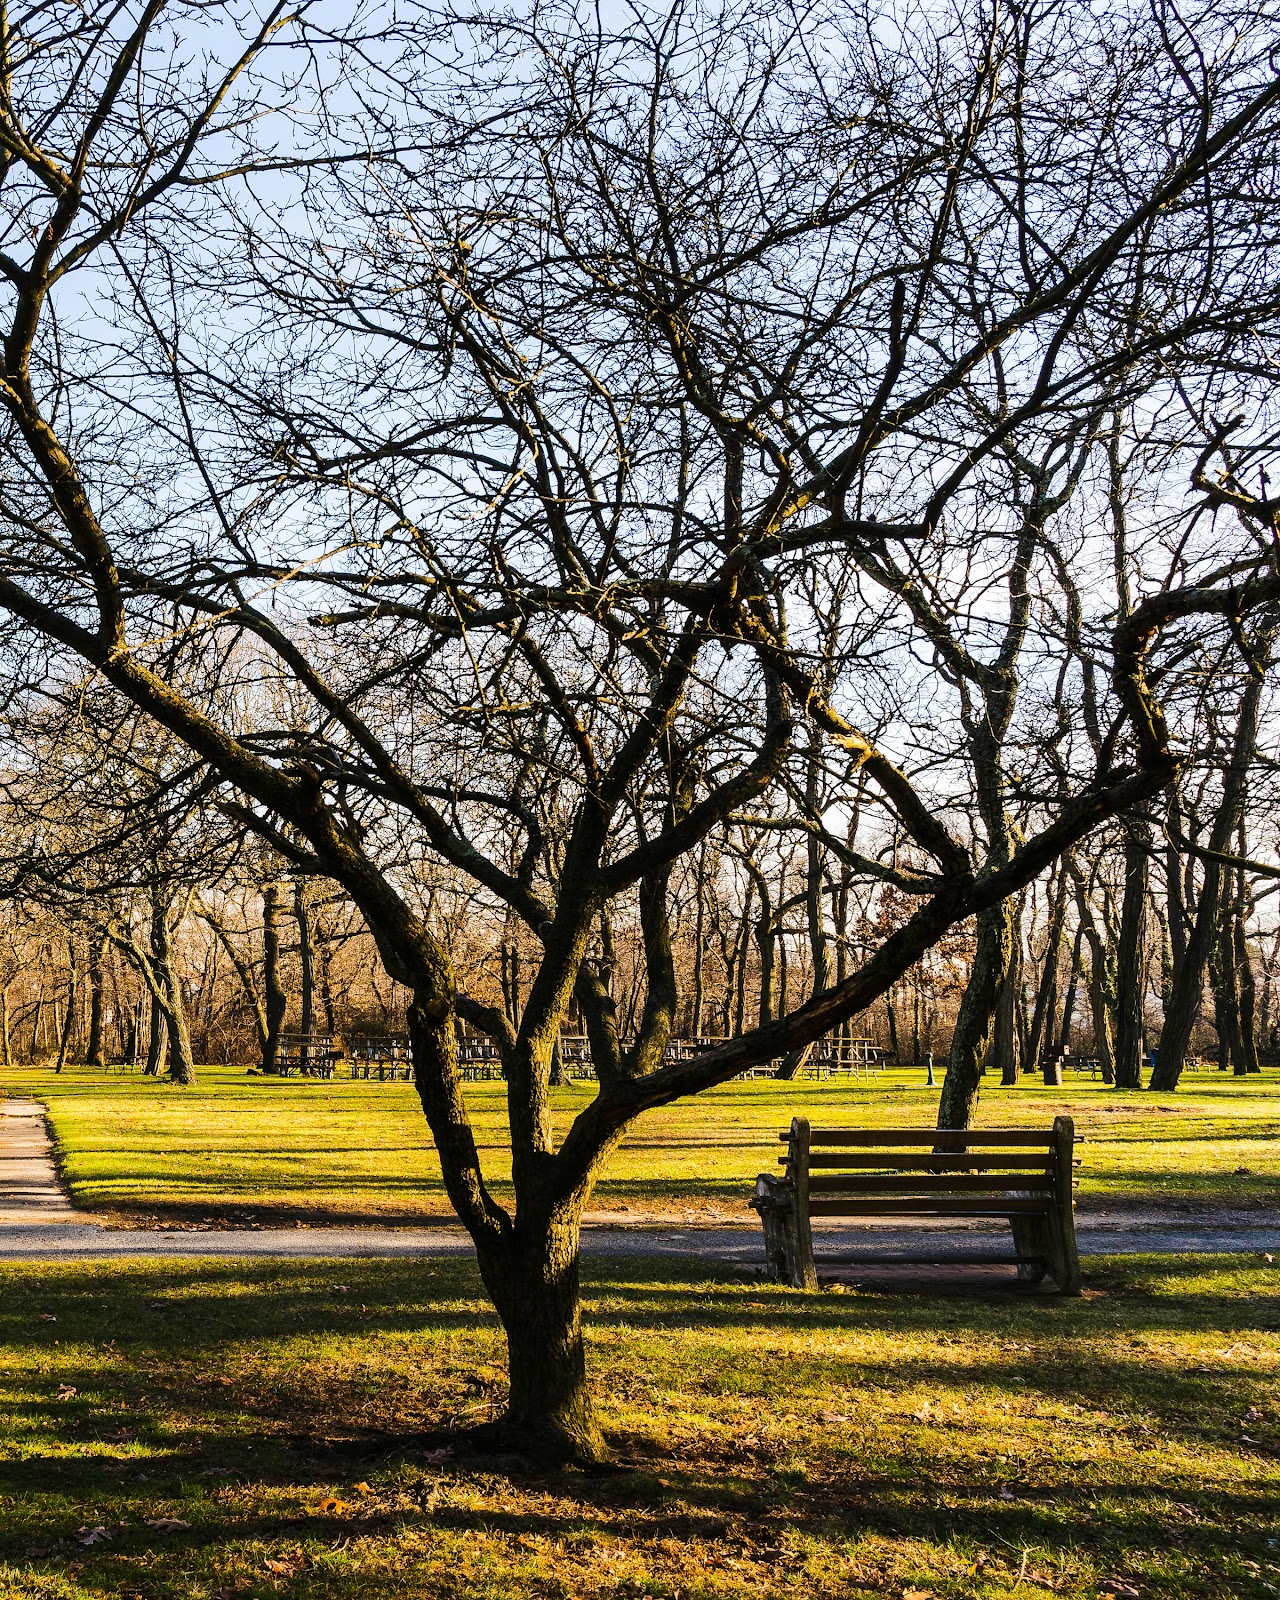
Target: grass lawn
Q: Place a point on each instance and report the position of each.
(181, 1431)
(236, 1145)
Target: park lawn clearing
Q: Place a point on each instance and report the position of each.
(237, 1148)
(189, 1430)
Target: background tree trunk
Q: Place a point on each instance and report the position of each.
(275, 1000)
(1129, 963)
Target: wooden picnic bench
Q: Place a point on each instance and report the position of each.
(1021, 1175)
(314, 1055)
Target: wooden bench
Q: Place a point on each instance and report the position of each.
(1020, 1175)
(313, 1055)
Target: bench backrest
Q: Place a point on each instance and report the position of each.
(838, 1172)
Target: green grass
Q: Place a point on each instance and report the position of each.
(237, 1145)
(838, 1444)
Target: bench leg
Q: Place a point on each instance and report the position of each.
(1030, 1239)
(777, 1246)
(1062, 1222)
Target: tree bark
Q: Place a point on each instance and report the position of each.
(95, 1053)
(157, 1035)
(1129, 964)
(168, 991)
(302, 914)
(1005, 1039)
(959, 1098)
(1047, 992)
(69, 1020)
(275, 1000)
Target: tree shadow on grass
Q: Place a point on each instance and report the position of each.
(208, 1362)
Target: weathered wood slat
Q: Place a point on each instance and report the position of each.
(896, 1206)
(933, 1162)
(945, 1183)
(946, 1138)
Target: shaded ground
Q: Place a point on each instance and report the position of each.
(185, 1430)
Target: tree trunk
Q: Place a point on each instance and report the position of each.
(173, 1008)
(529, 1266)
(95, 1054)
(1188, 986)
(69, 1021)
(1128, 1039)
(1005, 1040)
(766, 943)
(302, 914)
(156, 1037)
(1246, 987)
(275, 1000)
(6, 1051)
(959, 1098)
(182, 1066)
(534, 1284)
(699, 953)
(1102, 987)
(1040, 1039)
(1073, 990)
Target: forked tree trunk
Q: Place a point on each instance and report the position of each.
(529, 1265)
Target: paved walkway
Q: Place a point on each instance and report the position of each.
(37, 1222)
(30, 1193)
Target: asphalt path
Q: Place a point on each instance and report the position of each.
(37, 1222)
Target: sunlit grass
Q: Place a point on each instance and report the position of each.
(248, 1145)
(779, 1444)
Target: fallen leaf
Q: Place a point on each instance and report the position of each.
(918, 1594)
(47, 1316)
(833, 1416)
(67, 1391)
(1120, 1589)
(166, 1524)
(361, 1488)
(286, 1568)
(435, 1457)
(231, 1589)
(1007, 1494)
(334, 1508)
(341, 1288)
(93, 1535)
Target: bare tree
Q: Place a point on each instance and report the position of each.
(527, 443)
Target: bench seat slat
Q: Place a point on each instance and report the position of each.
(897, 1206)
(945, 1183)
(932, 1162)
(946, 1138)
